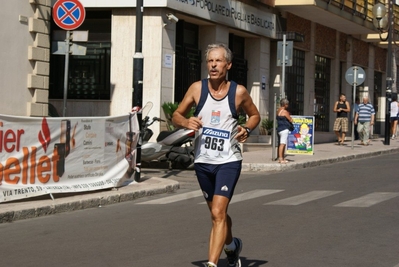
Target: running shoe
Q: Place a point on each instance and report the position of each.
(233, 256)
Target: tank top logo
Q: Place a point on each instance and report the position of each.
(215, 117)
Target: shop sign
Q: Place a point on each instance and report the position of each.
(231, 13)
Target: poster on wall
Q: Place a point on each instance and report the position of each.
(301, 139)
(48, 155)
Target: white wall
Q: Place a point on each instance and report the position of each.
(15, 40)
(258, 56)
(122, 50)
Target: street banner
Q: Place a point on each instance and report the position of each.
(48, 155)
(301, 139)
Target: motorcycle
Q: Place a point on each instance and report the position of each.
(175, 146)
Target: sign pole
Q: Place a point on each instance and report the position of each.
(274, 157)
(66, 70)
(68, 15)
(354, 96)
(284, 59)
(354, 76)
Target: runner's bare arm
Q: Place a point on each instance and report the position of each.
(244, 100)
(179, 116)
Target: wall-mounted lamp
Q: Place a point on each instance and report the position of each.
(380, 19)
(383, 19)
(172, 17)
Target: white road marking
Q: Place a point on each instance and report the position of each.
(361, 202)
(174, 198)
(368, 200)
(304, 198)
(251, 194)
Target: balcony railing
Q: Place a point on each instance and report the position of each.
(362, 9)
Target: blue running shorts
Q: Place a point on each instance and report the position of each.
(218, 179)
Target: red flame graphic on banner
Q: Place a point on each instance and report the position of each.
(44, 135)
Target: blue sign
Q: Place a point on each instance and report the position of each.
(68, 14)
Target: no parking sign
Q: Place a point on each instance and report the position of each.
(68, 14)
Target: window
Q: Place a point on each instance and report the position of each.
(322, 93)
(295, 82)
(188, 58)
(239, 68)
(88, 75)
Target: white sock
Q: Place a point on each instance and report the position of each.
(231, 246)
(211, 264)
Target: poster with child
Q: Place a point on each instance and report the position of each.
(300, 140)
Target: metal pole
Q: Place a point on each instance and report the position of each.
(353, 112)
(389, 74)
(137, 95)
(283, 65)
(274, 129)
(138, 58)
(66, 70)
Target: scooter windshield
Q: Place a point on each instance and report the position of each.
(146, 109)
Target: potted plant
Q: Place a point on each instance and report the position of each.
(242, 119)
(168, 109)
(266, 127)
(265, 131)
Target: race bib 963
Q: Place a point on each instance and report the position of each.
(215, 143)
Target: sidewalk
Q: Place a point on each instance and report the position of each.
(253, 161)
(323, 154)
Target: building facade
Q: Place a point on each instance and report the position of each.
(25, 57)
(328, 38)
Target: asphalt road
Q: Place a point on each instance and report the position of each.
(342, 214)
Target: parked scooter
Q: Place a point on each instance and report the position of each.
(173, 146)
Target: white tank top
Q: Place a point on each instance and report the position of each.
(215, 142)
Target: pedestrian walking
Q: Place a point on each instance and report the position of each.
(342, 109)
(364, 119)
(284, 121)
(394, 115)
(354, 108)
(218, 157)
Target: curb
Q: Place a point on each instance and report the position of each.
(39, 208)
(256, 167)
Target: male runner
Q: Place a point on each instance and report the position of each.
(218, 156)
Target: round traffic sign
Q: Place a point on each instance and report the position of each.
(68, 14)
(355, 75)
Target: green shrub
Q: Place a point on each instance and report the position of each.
(169, 108)
(266, 125)
(242, 119)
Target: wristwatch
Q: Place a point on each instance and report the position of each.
(248, 130)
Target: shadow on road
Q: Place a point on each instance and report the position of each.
(245, 262)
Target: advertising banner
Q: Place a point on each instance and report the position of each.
(300, 140)
(70, 154)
